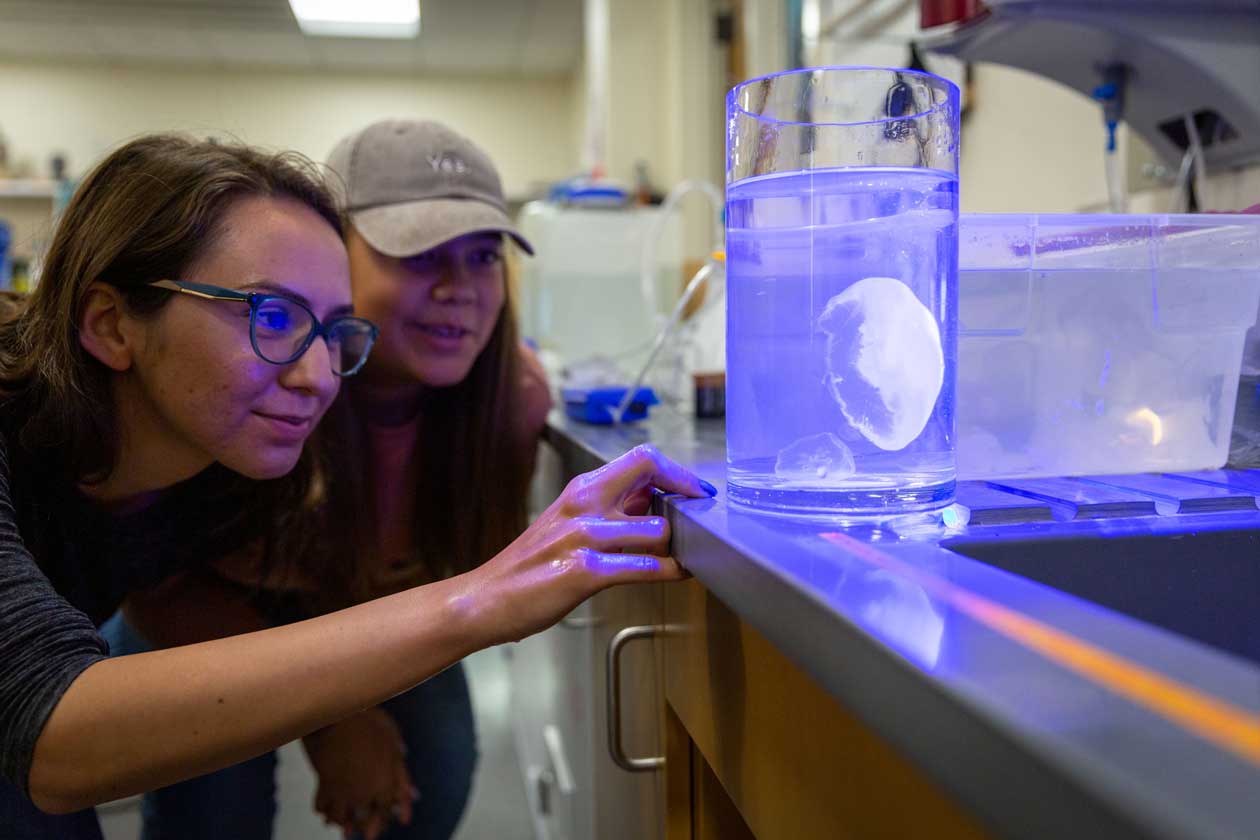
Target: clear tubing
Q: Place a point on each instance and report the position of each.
(1196, 144)
(1181, 189)
(1191, 166)
(664, 335)
(647, 266)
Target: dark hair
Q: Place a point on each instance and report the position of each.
(473, 486)
(147, 212)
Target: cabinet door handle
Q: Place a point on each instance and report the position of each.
(615, 646)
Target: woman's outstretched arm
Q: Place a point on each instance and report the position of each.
(136, 723)
(139, 722)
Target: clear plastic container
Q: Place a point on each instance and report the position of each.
(1101, 344)
(582, 296)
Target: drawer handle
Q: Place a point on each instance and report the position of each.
(615, 646)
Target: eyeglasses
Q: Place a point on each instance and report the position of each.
(281, 329)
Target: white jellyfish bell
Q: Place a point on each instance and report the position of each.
(885, 365)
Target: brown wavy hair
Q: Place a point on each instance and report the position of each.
(146, 212)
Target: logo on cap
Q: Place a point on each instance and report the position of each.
(447, 164)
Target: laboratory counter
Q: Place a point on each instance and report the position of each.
(1050, 658)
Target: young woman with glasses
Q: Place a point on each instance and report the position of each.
(191, 326)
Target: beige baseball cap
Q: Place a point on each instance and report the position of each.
(410, 185)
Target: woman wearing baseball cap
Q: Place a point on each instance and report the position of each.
(432, 452)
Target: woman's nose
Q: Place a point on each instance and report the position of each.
(448, 290)
(312, 371)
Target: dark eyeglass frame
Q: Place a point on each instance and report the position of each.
(257, 299)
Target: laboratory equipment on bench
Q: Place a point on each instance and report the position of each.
(592, 391)
(841, 253)
(668, 334)
(596, 296)
(582, 295)
(670, 339)
(710, 273)
(603, 406)
(707, 343)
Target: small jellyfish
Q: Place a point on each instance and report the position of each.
(885, 365)
(817, 458)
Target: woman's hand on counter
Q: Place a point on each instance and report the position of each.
(597, 534)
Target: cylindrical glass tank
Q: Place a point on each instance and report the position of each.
(842, 303)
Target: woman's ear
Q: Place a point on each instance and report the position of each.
(102, 331)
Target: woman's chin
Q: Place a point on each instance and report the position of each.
(264, 464)
(443, 373)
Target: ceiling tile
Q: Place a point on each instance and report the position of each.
(21, 39)
(366, 53)
(262, 48)
(151, 43)
(552, 39)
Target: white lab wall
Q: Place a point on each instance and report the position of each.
(766, 37)
(634, 106)
(579, 95)
(651, 90)
(692, 132)
(83, 110)
(692, 91)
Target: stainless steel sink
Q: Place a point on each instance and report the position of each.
(1204, 585)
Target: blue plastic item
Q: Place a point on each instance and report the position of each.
(596, 405)
(589, 192)
(6, 264)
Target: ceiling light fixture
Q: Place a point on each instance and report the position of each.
(358, 18)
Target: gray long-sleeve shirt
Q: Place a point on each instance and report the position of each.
(66, 565)
(45, 643)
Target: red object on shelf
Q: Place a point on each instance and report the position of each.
(938, 12)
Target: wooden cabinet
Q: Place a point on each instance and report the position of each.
(754, 748)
